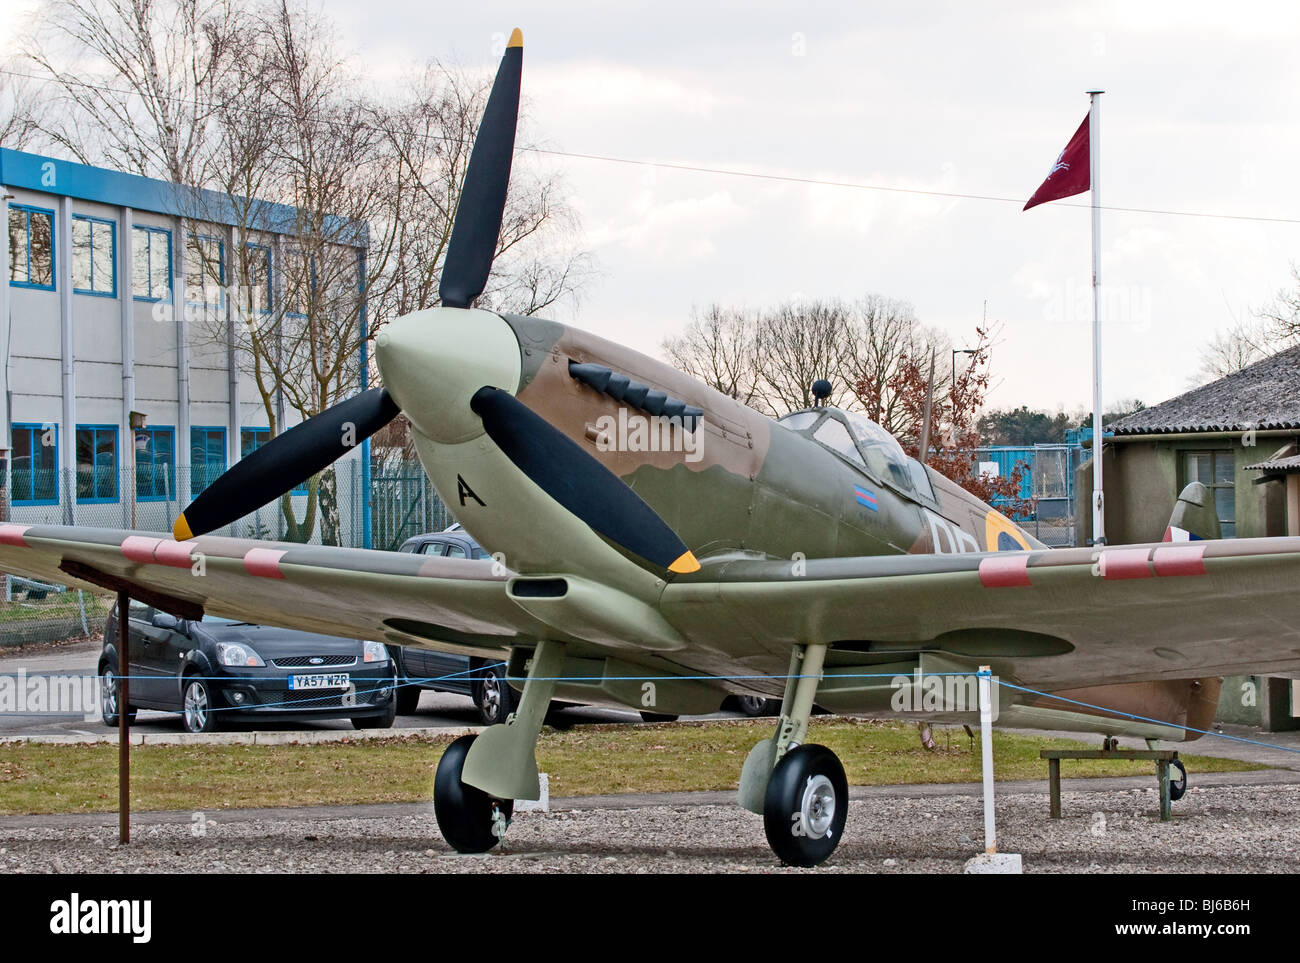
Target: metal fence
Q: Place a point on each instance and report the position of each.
(1048, 481)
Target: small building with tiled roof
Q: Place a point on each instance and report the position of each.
(1214, 434)
(1239, 436)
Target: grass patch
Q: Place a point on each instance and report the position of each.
(585, 760)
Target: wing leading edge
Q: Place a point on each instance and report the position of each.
(391, 596)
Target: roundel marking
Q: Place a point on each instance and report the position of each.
(1001, 535)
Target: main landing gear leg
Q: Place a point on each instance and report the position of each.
(480, 777)
(800, 790)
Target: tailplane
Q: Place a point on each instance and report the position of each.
(1194, 518)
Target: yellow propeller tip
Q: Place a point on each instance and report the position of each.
(181, 530)
(686, 564)
(516, 38)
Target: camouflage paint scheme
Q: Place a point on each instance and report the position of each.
(909, 581)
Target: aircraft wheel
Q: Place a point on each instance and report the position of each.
(465, 815)
(806, 805)
(1177, 786)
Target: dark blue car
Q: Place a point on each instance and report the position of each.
(218, 671)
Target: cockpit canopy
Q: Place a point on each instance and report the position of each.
(861, 441)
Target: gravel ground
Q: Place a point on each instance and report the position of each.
(1215, 830)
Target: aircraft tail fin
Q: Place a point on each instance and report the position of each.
(1194, 517)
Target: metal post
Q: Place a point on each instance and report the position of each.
(1094, 181)
(123, 719)
(986, 751)
(1054, 787)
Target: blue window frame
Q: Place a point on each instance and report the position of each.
(205, 277)
(97, 463)
(260, 296)
(35, 464)
(94, 256)
(207, 457)
(251, 439)
(155, 464)
(151, 263)
(31, 247)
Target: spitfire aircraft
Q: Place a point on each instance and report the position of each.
(660, 545)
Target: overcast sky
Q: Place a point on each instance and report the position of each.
(1201, 113)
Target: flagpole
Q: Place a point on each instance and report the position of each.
(1094, 180)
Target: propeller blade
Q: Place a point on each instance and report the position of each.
(286, 461)
(477, 225)
(580, 482)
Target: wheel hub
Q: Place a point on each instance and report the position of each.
(817, 809)
(196, 706)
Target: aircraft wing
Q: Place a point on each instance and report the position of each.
(1052, 619)
(385, 596)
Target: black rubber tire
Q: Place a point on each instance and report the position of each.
(408, 698)
(755, 706)
(1177, 787)
(377, 722)
(107, 677)
(464, 813)
(210, 721)
(493, 697)
(800, 769)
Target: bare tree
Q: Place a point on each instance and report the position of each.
(148, 102)
(1282, 317)
(797, 343)
(719, 348)
(881, 335)
(18, 112)
(1231, 350)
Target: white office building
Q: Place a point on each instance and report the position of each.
(110, 310)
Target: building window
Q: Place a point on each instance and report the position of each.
(207, 457)
(206, 273)
(97, 463)
(155, 464)
(31, 247)
(94, 256)
(152, 263)
(259, 297)
(35, 465)
(251, 439)
(1215, 470)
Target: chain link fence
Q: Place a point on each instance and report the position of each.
(1048, 481)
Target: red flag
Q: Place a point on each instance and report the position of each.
(1070, 174)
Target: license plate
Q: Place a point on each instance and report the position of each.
(333, 680)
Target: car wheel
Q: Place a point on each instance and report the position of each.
(658, 717)
(108, 686)
(377, 722)
(754, 706)
(197, 713)
(494, 697)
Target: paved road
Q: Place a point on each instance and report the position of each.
(436, 708)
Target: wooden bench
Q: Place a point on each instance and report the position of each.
(1163, 758)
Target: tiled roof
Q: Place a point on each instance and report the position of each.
(1264, 396)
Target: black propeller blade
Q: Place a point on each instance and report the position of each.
(286, 461)
(579, 482)
(483, 195)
